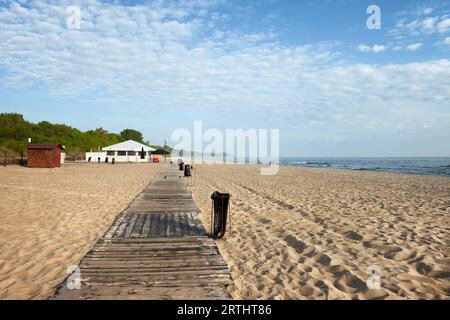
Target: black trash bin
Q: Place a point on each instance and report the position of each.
(187, 170)
(220, 203)
(181, 166)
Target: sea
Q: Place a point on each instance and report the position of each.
(436, 166)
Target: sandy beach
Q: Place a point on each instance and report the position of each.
(50, 218)
(302, 234)
(313, 233)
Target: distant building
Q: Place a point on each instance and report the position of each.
(44, 155)
(127, 151)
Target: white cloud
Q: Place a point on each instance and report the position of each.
(421, 26)
(145, 51)
(428, 10)
(162, 55)
(375, 48)
(444, 42)
(414, 46)
(444, 25)
(428, 24)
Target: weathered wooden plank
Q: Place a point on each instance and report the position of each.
(197, 225)
(155, 240)
(146, 227)
(190, 222)
(147, 263)
(187, 226)
(192, 270)
(167, 281)
(143, 279)
(156, 249)
(138, 226)
(159, 209)
(153, 246)
(148, 292)
(162, 225)
(117, 222)
(177, 225)
(149, 245)
(169, 225)
(171, 193)
(120, 231)
(130, 226)
(154, 224)
(145, 246)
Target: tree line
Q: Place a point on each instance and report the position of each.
(15, 131)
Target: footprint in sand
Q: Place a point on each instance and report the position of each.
(390, 252)
(400, 255)
(323, 259)
(310, 251)
(323, 288)
(374, 244)
(336, 270)
(423, 268)
(353, 235)
(376, 294)
(297, 245)
(349, 283)
(440, 274)
(306, 291)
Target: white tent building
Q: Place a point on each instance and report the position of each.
(127, 151)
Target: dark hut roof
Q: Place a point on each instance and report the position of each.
(45, 146)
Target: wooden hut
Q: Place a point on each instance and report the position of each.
(44, 155)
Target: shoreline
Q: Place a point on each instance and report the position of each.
(365, 170)
(281, 164)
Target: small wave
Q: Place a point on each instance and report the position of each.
(300, 162)
(316, 163)
(308, 163)
(428, 167)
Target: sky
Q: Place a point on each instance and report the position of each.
(312, 69)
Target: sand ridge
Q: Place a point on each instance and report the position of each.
(313, 233)
(50, 218)
(302, 234)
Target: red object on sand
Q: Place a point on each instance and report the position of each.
(44, 155)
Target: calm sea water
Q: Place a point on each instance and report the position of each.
(428, 166)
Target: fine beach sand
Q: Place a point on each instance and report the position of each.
(302, 234)
(50, 218)
(312, 233)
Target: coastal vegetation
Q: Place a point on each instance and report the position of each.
(15, 132)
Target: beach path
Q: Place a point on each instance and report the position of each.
(157, 249)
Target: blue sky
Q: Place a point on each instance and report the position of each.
(309, 68)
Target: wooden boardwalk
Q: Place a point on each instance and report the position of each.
(156, 249)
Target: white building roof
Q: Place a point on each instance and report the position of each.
(129, 145)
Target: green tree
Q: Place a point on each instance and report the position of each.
(15, 131)
(130, 134)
